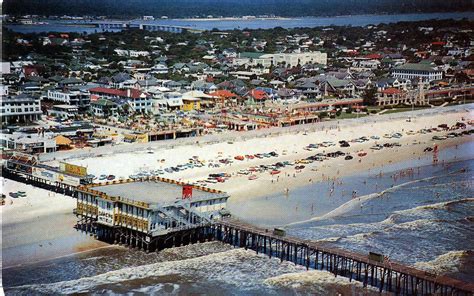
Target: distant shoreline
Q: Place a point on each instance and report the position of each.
(235, 19)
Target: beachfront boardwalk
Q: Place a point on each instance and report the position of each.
(380, 273)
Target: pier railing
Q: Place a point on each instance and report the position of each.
(384, 274)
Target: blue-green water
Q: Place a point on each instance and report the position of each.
(350, 20)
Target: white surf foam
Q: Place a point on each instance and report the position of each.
(238, 267)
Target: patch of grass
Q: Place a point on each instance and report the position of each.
(345, 115)
(398, 110)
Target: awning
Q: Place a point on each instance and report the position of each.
(62, 140)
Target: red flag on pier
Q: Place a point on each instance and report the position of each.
(187, 192)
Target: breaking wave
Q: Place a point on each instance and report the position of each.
(317, 282)
(356, 203)
(235, 268)
(450, 262)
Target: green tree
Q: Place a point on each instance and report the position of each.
(370, 96)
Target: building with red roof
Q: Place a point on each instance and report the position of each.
(224, 96)
(257, 95)
(392, 96)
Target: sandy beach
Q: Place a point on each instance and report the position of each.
(39, 226)
(290, 147)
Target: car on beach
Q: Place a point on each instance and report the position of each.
(13, 195)
(329, 144)
(396, 135)
(375, 137)
(110, 177)
(439, 138)
(344, 144)
(102, 177)
(377, 147)
(452, 135)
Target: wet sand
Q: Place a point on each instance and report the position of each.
(39, 226)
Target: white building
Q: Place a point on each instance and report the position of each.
(138, 53)
(6, 68)
(31, 143)
(365, 65)
(64, 111)
(74, 98)
(21, 108)
(288, 59)
(294, 59)
(168, 101)
(141, 104)
(3, 90)
(131, 53)
(417, 71)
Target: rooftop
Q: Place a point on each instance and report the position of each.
(416, 67)
(153, 192)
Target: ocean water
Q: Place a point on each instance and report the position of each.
(415, 212)
(348, 20)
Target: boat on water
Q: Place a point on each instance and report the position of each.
(253, 177)
(275, 172)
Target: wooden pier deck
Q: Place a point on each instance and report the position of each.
(386, 275)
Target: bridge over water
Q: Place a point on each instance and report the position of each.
(149, 26)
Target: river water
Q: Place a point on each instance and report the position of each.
(415, 212)
(224, 24)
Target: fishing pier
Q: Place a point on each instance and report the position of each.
(385, 275)
(154, 213)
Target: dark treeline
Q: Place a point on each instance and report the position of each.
(190, 8)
